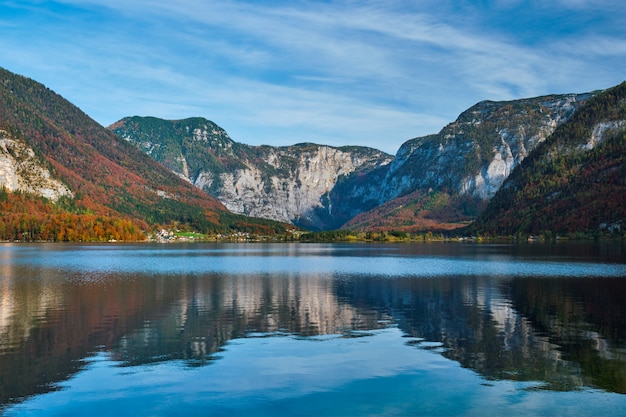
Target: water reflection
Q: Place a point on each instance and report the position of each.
(567, 333)
(213, 309)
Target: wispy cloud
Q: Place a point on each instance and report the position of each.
(368, 72)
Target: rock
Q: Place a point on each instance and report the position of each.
(322, 187)
(21, 170)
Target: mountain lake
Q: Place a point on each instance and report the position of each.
(307, 329)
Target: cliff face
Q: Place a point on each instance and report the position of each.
(289, 184)
(445, 178)
(477, 152)
(469, 159)
(573, 182)
(298, 183)
(21, 170)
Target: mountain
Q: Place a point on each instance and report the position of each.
(88, 177)
(443, 181)
(65, 177)
(573, 182)
(435, 182)
(290, 183)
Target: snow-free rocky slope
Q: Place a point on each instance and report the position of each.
(290, 183)
(442, 180)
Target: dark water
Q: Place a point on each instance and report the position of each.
(313, 329)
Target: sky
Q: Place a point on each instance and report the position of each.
(368, 73)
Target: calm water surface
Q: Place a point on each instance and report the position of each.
(313, 329)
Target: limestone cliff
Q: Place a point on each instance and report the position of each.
(470, 158)
(452, 174)
(289, 183)
(296, 184)
(477, 152)
(21, 170)
(573, 182)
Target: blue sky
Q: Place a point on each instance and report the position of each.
(372, 73)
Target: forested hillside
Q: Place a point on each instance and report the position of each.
(113, 186)
(575, 182)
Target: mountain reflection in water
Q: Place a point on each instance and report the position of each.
(568, 333)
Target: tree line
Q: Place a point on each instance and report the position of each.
(27, 218)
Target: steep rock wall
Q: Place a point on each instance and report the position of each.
(296, 187)
(476, 153)
(21, 170)
(290, 184)
(471, 156)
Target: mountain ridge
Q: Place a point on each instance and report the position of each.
(246, 178)
(575, 182)
(467, 161)
(464, 164)
(143, 172)
(108, 178)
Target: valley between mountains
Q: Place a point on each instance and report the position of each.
(551, 165)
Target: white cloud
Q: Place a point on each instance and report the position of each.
(337, 72)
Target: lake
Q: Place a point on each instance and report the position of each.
(313, 329)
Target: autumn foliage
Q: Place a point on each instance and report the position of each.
(118, 191)
(417, 212)
(28, 218)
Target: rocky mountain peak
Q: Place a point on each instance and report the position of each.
(287, 183)
(476, 153)
(321, 187)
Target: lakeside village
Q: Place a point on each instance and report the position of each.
(295, 235)
(171, 236)
(165, 236)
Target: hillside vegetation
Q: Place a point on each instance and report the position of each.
(551, 165)
(575, 182)
(108, 177)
